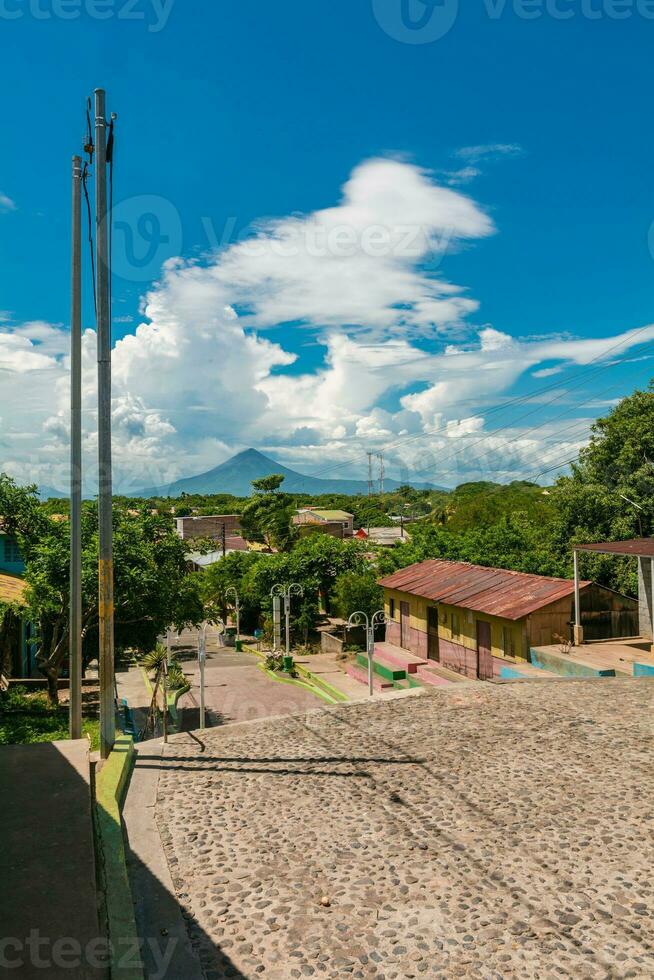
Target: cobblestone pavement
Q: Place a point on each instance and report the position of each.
(485, 831)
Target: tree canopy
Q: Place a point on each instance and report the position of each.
(152, 587)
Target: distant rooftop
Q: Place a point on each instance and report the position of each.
(12, 588)
(329, 515)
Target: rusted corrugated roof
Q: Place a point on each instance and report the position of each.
(12, 589)
(494, 591)
(639, 547)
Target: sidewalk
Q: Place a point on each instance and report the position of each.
(159, 920)
(47, 861)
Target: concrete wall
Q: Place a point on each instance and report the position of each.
(645, 597)
(208, 527)
(331, 644)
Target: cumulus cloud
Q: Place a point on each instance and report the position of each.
(402, 371)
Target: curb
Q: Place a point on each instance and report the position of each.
(303, 684)
(317, 686)
(333, 692)
(110, 788)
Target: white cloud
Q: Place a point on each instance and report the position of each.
(357, 265)
(6, 203)
(488, 151)
(199, 379)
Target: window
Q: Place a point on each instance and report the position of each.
(456, 629)
(391, 608)
(12, 554)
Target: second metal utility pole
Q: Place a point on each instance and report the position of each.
(103, 315)
(75, 635)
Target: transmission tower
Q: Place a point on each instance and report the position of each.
(371, 482)
(382, 472)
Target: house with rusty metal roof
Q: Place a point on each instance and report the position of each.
(16, 650)
(478, 621)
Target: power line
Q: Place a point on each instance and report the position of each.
(519, 399)
(522, 435)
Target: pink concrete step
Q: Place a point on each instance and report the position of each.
(399, 657)
(361, 675)
(429, 675)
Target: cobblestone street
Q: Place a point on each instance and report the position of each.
(489, 831)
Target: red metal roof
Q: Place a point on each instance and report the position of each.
(494, 591)
(639, 547)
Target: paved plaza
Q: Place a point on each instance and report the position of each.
(481, 831)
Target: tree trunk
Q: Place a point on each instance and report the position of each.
(52, 677)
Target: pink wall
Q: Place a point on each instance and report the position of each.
(452, 655)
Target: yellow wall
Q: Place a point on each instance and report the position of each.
(467, 621)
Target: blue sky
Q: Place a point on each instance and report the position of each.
(233, 113)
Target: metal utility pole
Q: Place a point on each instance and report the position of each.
(370, 624)
(103, 316)
(285, 592)
(382, 472)
(75, 636)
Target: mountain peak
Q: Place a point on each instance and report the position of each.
(235, 476)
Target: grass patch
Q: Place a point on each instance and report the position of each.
(27, 717)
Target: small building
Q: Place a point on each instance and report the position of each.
(212, 527)
(338, 523)
(474, 619)
(643, 550)
(387, 537)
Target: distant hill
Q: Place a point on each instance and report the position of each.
(236, 474)
(49, 493)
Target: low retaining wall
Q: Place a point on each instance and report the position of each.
(329, 643)
(643, 670)
(563, 665)
(110, 788)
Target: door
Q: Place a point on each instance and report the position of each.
(433, 645)
(484, 652)
(405, 618)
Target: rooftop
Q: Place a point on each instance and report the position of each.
(12, 588)
(494, 591)
(329, 515)
(638, 547)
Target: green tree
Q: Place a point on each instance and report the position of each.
(357, 592)
(231, 572)
(268, 515)
(152, 587)
(268, 484)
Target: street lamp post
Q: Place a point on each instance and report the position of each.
(231, 591)
(286, 592)
(202, 659)
(370, 623)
